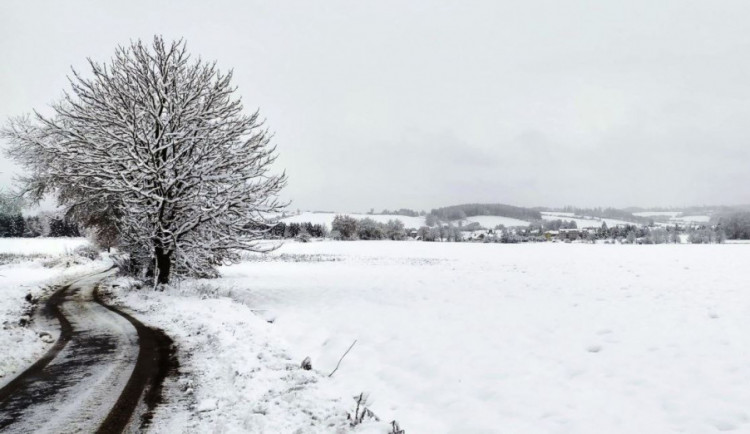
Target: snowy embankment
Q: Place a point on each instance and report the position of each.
(27, 268)
(538, 338)
(236, 374)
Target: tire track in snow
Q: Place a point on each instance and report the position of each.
(105, 368)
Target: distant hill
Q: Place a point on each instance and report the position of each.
(608, 213)
(461, 212)
(490, 215)
(326, 218)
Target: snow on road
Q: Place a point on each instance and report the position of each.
(77, 389)
(24, 274)
(539, 338)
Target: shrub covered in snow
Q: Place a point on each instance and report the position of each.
(87, 251)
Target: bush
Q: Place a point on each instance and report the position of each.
(473, 226)
(87, 251)
(736, 225)
(394, 230)
(345, 225)
(369, 229)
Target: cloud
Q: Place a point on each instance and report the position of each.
(393, 104)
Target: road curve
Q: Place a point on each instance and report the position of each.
(104, 369)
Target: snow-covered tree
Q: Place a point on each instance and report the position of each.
(369, 229)
(345, 225)
(157, 143)
(394, 230)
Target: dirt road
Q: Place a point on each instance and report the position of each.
(102, 375)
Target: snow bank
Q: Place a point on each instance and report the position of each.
(459, 338)
(236, 373)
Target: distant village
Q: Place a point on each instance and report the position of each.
(552, 228)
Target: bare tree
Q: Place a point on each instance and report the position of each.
(158, 144)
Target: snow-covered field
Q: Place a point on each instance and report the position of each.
(236, 372)
(326, 218)
(675, 217)
(537, 338)
(450, 338)
(670, 214)
(581, 223)
(693, 218)
(40, 246)
(491, 221)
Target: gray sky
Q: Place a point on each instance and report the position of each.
(423, 104)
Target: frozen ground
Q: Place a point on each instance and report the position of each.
(538, 338)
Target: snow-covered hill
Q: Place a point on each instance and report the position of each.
(669, 214)
(326, 218)
(675, 217)
(583, 221)
(491, 221)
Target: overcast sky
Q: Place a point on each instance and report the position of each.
(390, 104)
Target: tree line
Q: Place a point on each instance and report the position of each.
(459, 212)
(736, 225)
(345, 227)
(43, 225)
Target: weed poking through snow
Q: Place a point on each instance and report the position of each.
(361, 412)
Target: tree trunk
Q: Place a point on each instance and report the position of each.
(163, 264)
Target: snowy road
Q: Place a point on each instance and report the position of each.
(94, 377)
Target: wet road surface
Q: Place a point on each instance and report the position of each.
(103, 368)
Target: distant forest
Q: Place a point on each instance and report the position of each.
(458, 212)
(611, 213)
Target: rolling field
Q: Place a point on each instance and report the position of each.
(541, 338)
